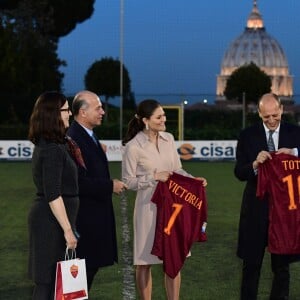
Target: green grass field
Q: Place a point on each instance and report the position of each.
(211, 273)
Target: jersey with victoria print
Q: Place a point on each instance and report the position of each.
(181, 220)
(279, 183)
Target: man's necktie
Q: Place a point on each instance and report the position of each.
(271, 145)
(75, 151)
(95, 139)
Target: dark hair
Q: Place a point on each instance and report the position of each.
(45, 120)
(145, 109)
(77, 104)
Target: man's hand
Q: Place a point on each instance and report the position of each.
(119, 186)
(261, 158)
(286, 151)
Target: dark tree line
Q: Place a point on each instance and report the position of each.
(29, 36)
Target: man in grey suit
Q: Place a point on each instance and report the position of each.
(252, 150)
(96, 220)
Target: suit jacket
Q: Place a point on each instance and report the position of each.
(253, 225)
(96, 220)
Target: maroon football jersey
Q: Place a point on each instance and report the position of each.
(181, 220)
(279, 182)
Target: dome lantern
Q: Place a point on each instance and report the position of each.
(255, 20)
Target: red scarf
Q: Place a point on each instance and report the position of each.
(75, 151)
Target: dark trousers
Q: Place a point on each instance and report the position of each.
(43, 292)
(90, 274)
(281, 277)
(251, 275)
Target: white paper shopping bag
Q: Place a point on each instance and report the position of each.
(71, 282)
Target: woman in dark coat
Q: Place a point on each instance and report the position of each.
(53, 214)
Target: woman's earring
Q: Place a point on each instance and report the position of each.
(147, 126)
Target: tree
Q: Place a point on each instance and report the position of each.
(52, 18)
(129, 101)
(29, 65)
(248, 79)
(29, 35)
(103, 78)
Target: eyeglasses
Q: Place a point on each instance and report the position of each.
(66, 109)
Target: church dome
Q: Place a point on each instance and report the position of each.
(256, 46)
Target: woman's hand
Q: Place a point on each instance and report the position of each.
(59, 211)
(71, 241)
(162, 176)
(204, 181)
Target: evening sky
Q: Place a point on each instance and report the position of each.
(173, 47)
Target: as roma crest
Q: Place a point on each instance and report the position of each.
(74, 270)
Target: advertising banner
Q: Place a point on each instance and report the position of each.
(206, 150)
(188, 150)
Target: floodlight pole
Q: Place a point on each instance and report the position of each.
(182, 120)
(128, 275)
(121, 65)
(244, 111)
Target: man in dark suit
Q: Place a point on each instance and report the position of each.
(96, 220)
(252, 150)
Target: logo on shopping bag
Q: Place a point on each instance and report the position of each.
(74, 270)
